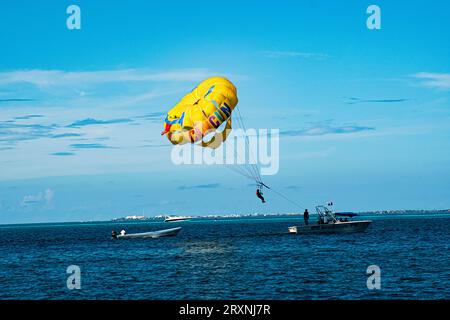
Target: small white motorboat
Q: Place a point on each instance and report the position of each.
(152, 234)
(328, 223)
(176, 218)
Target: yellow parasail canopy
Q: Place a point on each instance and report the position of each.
(201, 112)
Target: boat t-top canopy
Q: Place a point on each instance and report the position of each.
(345, 214)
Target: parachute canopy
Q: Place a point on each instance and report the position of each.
(202, 111)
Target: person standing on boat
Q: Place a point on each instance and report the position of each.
(306, 216)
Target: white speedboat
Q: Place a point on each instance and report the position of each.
(176, 218)
(328, 223)
(153, 234)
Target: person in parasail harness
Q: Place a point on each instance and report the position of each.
(259, 194)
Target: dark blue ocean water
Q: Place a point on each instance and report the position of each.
(235, 259)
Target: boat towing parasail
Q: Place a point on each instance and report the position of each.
(331, 222)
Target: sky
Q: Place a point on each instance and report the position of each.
(363, 114)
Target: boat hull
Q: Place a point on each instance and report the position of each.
(340, 227)
(154, 234)
(176, 219)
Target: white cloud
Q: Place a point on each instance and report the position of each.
(294, 54)
(43, 197)
(434, 80)
(48, 195)
(314, 153)
(326, 129)
(46, 78)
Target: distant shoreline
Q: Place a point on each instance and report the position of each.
(160, 218)
(268, 215)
